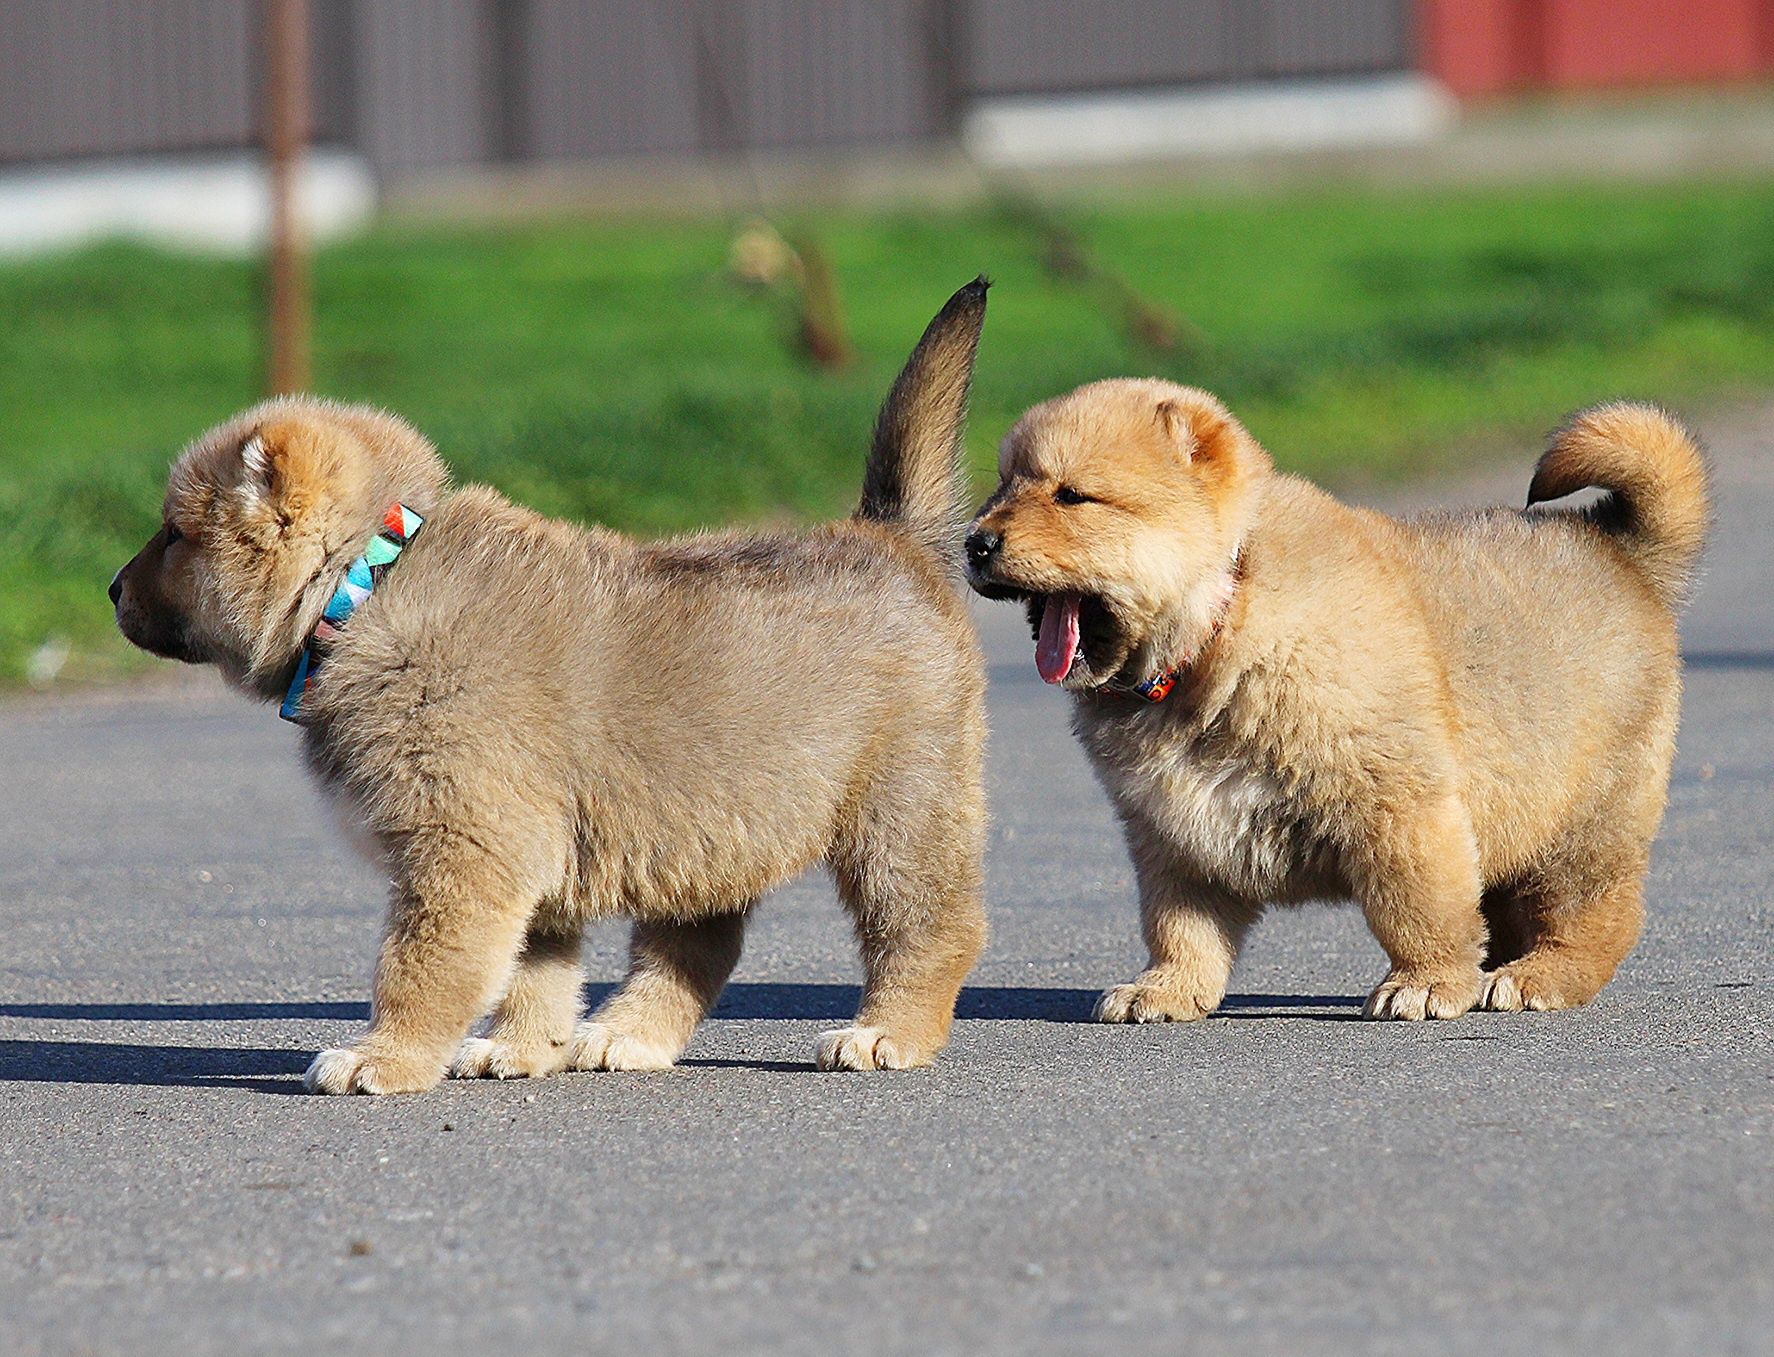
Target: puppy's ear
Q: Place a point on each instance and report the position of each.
(287, 466)
(256, 460)
(1200, 434)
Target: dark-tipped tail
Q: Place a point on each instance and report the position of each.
(913, 479)
(1656, 506)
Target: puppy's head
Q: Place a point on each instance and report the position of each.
(1119, 510)
(261, 515)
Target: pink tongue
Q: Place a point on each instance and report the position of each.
(1057, 645)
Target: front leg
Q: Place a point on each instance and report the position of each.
(456, 923)
(1416, 875)
(532, 1029)
(1193, 932)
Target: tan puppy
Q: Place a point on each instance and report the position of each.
(1465, 722)
(538, 725)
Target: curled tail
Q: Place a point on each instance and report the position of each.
(1656, 505)
(913, 479)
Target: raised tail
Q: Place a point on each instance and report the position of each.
(913, 479)
(1656, 506)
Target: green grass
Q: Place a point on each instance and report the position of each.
(611, 371)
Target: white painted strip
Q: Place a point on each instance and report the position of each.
(1381, 110)
(219, 203)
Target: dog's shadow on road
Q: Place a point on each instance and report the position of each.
(258, 1068)
(107, 1062)
(1004, 1003)
(279, 1069)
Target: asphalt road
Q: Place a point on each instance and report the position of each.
(181, 927)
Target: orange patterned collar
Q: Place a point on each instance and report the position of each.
(1164, 682)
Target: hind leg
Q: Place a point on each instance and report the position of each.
(914, 960)
(1584, 934)
(533, 1025)
(909, 872)
(675, 973)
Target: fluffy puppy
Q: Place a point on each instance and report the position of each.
(1463, 721)
(537, 725)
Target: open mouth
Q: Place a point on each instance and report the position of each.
(1056, 636)
(1077, 640)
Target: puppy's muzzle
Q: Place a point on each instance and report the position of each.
(983, 548)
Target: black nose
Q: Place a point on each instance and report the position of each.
(116, 589)
(982, 544)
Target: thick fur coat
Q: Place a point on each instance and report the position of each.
(1465, 722)
(536, 725)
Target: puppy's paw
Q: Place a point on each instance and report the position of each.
(350, 1070)
(1141, 1001)
(1524, 985)
(1411, 996)
(599, 1046)
(865, 1048)
(485, 1058)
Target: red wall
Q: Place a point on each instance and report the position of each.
(1479, 47)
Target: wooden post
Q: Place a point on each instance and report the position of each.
(286, 136)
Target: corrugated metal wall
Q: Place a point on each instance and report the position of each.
(80, 77)
(1043, 46)
(841, 72)
(588, 78)
(421, 83)
(111, 77)
(591, 78)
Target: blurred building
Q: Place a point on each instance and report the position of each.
(102, 100)
(1487, 47)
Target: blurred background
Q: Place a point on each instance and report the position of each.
(653, 262)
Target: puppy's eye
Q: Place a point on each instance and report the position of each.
(1066, 495)
(173, 534)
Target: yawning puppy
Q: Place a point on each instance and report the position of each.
(1465, 722)
(538, 725)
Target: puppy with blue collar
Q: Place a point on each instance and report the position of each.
(536, 725)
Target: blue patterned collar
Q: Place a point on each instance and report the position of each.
(400, 525)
